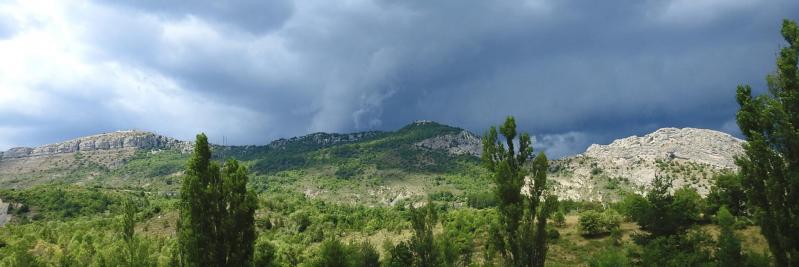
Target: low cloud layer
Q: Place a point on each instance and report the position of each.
(572, 72)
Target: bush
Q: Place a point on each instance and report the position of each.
(594, 223)
(264, 253)
(591, 223)
(610, 258)
(301, 220)
(331, 253)
(553, 234)
(482, 200)
(662, 213)
(442, 196)
(560, 219)
(348, 170)
(365, 255)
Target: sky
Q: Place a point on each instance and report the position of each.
(572, 72)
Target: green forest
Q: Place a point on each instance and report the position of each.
(241, 206)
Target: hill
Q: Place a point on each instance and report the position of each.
(689, 156)
(375, 167)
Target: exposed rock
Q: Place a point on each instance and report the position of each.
(106, 141)
(697, 145)
(3, 213)
(462, 143)
(689, 156)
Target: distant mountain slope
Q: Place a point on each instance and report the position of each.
(421, 158)
(403, 162)
(690, 156)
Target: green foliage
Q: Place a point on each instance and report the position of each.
(593, 223)
(520, 236)
(264, 254)
(560, 219)
(400, 255)
(442, 196)
(688, 202)
(422, 244)
(62, 202)
(729, 246)
(87, 242)
(365, 255)
(660, 212)
(482, 200)
(128, 220)
(216, 225)
(727, 190)
(332, 254)
(688, 249)
(348, 170)
(770, 166)
(612, 257)
(145, 164)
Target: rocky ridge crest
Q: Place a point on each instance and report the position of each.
(100, 142)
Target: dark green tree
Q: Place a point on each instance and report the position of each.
(727, 190)
(422, 242)
(265, 254)
(365, 255)
(332, 254)
(662, 213)
(400, 256)
(560, 219)
(238, 210)
(128, 220)
(216, 224)
(770, 166)
(729, 246)
(520, 236)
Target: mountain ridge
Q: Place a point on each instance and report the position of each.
(421, 149)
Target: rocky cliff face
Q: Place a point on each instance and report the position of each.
(107, 141)
(689, 156)
(463, 143)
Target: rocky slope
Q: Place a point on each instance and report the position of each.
(107, 141)
(462, 143)
(689, 156)
(23, 166)
(3, 213)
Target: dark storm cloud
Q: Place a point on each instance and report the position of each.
(572, 72)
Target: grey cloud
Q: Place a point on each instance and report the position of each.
(572, 72)
(250, 15)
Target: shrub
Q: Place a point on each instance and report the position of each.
(553, 234)
(482, 200)
(594, 223)
(610, 258)
(560, 219)
(591, 223)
